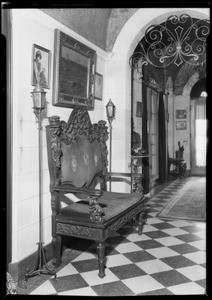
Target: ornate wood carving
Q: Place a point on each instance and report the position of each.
(96, 211)
(77, 230)
(124, 219)
(79, 123)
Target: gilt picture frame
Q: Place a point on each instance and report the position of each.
(181, 125)
(74, 72)
(98, 86)
(41, 66)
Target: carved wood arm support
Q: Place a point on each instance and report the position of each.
(96, 211)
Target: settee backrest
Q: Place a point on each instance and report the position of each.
(77, 150)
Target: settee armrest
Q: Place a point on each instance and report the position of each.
(95, 210)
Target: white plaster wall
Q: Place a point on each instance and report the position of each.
(31, 26)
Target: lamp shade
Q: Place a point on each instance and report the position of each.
(110, 109)
(39, 97)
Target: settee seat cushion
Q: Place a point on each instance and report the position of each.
(112, 203)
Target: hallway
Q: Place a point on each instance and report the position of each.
(169, 258)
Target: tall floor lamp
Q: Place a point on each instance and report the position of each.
(111, 110)
(39, 104)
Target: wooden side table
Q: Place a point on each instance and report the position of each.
(180, 166)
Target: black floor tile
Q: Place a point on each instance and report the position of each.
(178, 261)
(169, 278)
(127, 271)
(156, 234)
(163, 226)
(139, 256)
(157, 292)
(183, 248)
(117, 288)
(86, 265)
(187, 238)
(70, 282)
(149, 244)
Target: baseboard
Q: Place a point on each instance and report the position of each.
(18, 269)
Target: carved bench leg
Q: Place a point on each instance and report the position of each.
(101, 259)
(141, 222)
(56, 245)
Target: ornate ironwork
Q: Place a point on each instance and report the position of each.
(179, 39)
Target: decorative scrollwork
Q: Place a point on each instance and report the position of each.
(179, 39)
(77, 230)
(123, 220)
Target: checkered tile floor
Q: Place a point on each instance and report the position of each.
(169, 258)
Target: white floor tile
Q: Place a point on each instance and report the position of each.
(127, 247)
(180, 223)
(148, 228)
(169, 241)
(153, 266)
(86, 291)
(67, 270)
(201, 245)
(154, 221)
(199, 257)
(44, 289)
(193, 272)
(162, 252)
(84, 256)
(117, 260)
(135, 237)
(190, 288)
(142, 284)
(174, 231)
(92, 277)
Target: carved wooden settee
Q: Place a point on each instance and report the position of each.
(77, 159)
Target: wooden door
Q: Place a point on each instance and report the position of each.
(198, 136)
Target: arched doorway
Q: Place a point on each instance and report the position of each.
(164, 52)
(118, 74)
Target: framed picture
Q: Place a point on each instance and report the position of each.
(41, 63)
(98, 86)
(74, 72)
(181, 125)
(181, 114)
(139, 109)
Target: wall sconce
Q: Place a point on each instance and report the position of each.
(111, 111)
(39, 104)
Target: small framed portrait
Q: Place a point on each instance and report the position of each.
(41, 63)
(98, 86)
(181, 125)
(181, 114)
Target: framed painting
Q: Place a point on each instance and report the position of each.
(181, 114)
(98, 86)
(74, 72)
(181, 125)
(41, 63)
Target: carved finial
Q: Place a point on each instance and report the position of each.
(54, 121)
